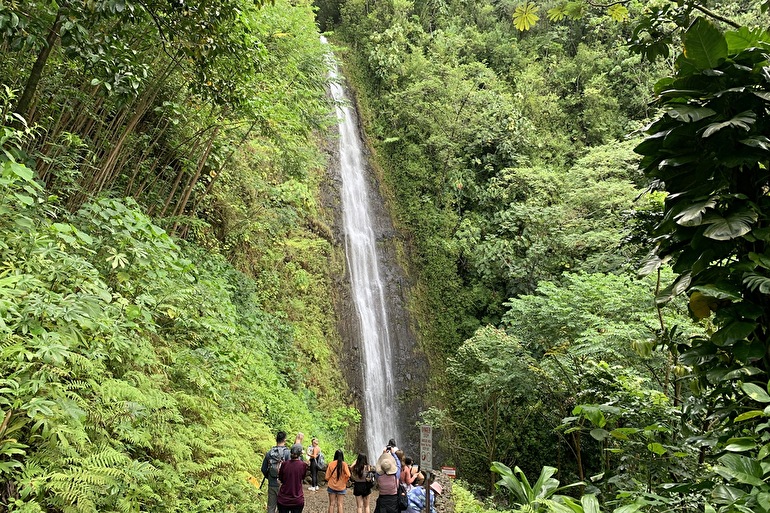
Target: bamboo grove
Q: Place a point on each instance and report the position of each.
(165, 260)
(150, 100)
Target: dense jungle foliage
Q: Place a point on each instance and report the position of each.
(584, 191)
(594, 302)
(166, 263)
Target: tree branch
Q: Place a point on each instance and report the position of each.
(605, 6)
(714, 15)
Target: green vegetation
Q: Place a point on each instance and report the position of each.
(589, 243)
(165, 259)
(510, 138)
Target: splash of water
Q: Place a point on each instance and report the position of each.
(380, 409)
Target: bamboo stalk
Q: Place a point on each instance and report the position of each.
(188, 190)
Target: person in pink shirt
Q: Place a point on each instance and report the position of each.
(406, 473)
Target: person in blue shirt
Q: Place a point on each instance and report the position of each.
(391, 449)
(417, 498)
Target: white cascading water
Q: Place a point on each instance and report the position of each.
(380, 412)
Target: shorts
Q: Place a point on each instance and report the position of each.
(337, 492)
(361, 488)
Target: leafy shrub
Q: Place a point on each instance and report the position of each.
(136, 371)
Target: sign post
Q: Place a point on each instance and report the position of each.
(426, 448)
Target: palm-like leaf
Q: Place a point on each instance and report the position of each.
(545, 484)
(525, 16)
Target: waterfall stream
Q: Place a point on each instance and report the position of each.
(368, 291)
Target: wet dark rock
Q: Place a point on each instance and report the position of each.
(410, 364)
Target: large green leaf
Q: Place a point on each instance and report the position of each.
(590, 503)
(592, 413)
(651, 264)
(741, 444)
(724, 494)
(693, 215)
(756, 281)
(748, 415)
(733, 332)
(721, 290)
(743, 372)
(746, 352)
(622, 433)
(743, 120)
(657, 448)
(545, 484)
(690, 113)
(756, 392)
(760, 259)
(628, 508)
(743, 38)
(763, 498)
(509, 481)
(757, 141)
(730, 227)
(704, 45)
(742, 469)
(680, 285)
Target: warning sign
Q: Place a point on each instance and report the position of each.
(450, 472)
(426, 448)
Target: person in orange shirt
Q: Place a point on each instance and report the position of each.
(313, 452)
(337, 475)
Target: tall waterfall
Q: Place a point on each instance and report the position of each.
(380, 421)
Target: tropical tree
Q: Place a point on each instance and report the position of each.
(710, 152)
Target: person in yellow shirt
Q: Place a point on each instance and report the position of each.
(337, 475)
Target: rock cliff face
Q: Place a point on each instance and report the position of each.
(409, 364)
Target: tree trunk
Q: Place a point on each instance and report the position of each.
(578, 454)
(22, 107)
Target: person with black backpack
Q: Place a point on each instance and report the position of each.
(271, 465)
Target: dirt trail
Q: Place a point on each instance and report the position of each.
(318, 502)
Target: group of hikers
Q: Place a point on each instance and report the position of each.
(398, 480)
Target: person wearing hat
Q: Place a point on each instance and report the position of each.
(291, 499)
(416, 498)
(391, 449)
(387, 483)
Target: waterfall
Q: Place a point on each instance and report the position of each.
(361, 253)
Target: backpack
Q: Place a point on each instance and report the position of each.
(274, 460)
(403, 498)
(320, 461)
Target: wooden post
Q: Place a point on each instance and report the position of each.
(429, 477)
